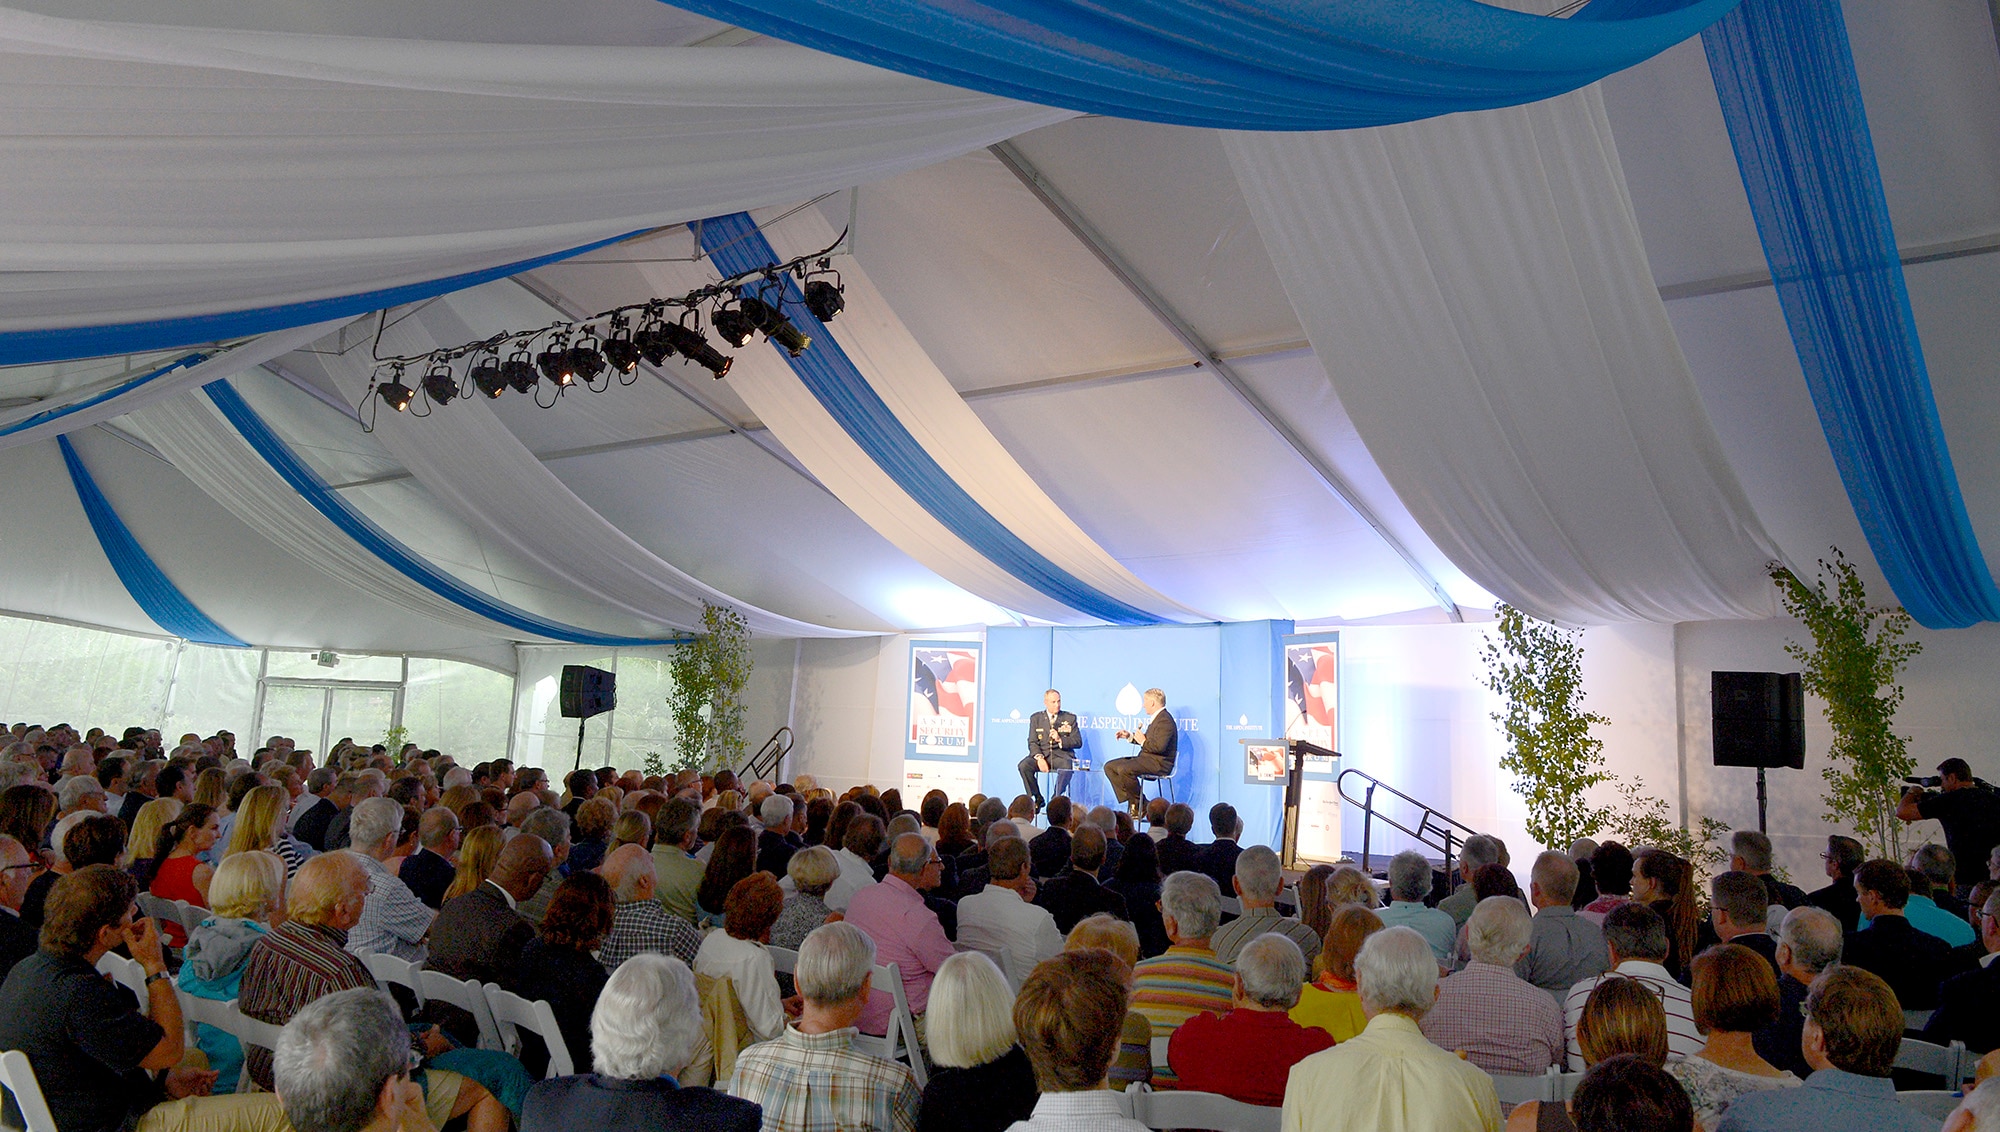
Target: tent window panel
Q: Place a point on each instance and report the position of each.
(215, 689)
(52, 673)
(459, 709)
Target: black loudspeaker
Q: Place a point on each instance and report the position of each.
(587, 691)
(1760, 719)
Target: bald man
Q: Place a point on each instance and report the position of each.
(479, 935)
(639, 923)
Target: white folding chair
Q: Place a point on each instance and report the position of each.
(390, 970)
(784, 960)
(1232, 906)
(901, 1040)
(512, 1013)
(467, 996)
(1562, 1086)
(1177, 1109)
(158, 908)
(19, 1078)
(1160, 1051)
(224, 1016)
(1934, 1103)
(252, 1032)
(1916, 1020)
(1516, 1090)
(129, 974)
(1925, 1057)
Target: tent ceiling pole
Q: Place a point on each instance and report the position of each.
(1060, 207)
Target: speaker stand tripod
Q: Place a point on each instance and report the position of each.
(581, 722)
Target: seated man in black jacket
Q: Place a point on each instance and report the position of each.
(1842, 856)
(1969, 1004)
(1913, 963)
(17, 870)
(1076, 892)
(1049, 851)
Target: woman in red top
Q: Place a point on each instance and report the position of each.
(178, 873)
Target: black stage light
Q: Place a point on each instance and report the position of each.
(691, 345)
(519, 371)
(622, 351)
(653, 344)
(439, 385)
(554, 364)
(825, 300)
(776, 326)
(586, 359)
(394, 393)
(734, 325)
(487, 376)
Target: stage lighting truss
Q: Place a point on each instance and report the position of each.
(783, 302)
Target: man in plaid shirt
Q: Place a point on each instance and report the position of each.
(1503, 1023)
(811, 1078)
(639, 923)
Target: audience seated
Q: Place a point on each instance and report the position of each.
(18, 939)
(1134, 1061)
(812, 1079)
(393, 921)
(1627, 1093)
(1969, 1004)
(247, 890)
(1173, 987)
(1738, 905)
(1927, 916)
(343, 1065)
(905, 931)
(1750, 852)
(644, 1032)
(640, 922)
(981, 1080)
(1636, 940)
(811, 871)
(1564, 948)
(1076, 892)
(1853, 1026)
(1620, 1016)
(1611, 872)
(1247, 1053)
(1049, 850)
(551, 825)
(1409, 883)
(428, 871)
(1500, 1022)
(1735, 995)
(1389, 1078)
(479, 936)
(777, 841)
(1177, 853)
(1479, 851)
(677, 874)
(177, 870)
(1217, 859)
(1841, 858)
(1808, 942)
(737, 953)
(1000, 918)
(557, 966)
(1332, 1002)
(1137, 882)
(1068, 1016)
(1256, 883)
(1912, 962)
(1665, 882)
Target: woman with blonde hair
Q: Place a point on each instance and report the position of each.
(248, 897)
(1104, 932)
(1349, 885)
(146, 827)
(983, 1082)
(1333, 1000)
(260, 826)
(211, 788)
(1621, 1016)
(476, 855)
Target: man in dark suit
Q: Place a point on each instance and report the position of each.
(1737, 910)
(1912, 962)
(1841, 857)
(138, 788)
(1178, 854)
(1218, 858)
(1969, 1004)
(1159, 745)
(429, 870)
(316, 808)
(17, 939)
(1808, 943)
(1076, 892)
(479, 936)
(1750, 852)
(774, 845)
(1050, 850)
(1052, 734)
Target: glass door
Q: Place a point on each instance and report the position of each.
(316, 713)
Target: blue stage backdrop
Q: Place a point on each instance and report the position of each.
(1223, 683)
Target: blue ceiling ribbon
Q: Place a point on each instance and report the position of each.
(1785, 75)
(736, 244)
(1276, 65)
(268, 444)
(47, 415)
(156, 593)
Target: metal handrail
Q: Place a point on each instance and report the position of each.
(776, 747)
(1434, 827)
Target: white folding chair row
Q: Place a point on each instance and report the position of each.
(1954, 1063)
(1934, 1103)
(467, 996)
(1916, 1020)
(129, 974)
(512, 1014)
(499, 1013)
(19, 1077)
(1160, 1051)
(180, 912)
(390, 970)
(1551, 1086)
(900, 1043)
(1232, 906)
(1177, 1109)
(230, 1019)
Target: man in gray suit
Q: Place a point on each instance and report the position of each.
(1159, 744)
(1052, 734)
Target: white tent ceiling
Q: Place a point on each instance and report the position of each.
(1170, 471)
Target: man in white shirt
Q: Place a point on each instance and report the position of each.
(1637, 939)
(1002, 919)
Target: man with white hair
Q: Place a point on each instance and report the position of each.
(1187, 979)
(1978, 1112)
(1478, 852)
(1389, 1077)
(811, 1078)
(343, 1065)
(1563, 948)
(1409, 883)
(1247, 1053)
(639, 923)
(393, 921)
(1969, 1004)
(79, 794)
(644, 1033)
(1257, 881)
(1501, 1023)
(1809, 941)
(774, 844)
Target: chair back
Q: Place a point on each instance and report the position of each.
(19, 1078)
(900, 1043)
(1231, 906)
(1933, 1103)
(784, 960)
(1160, 1043)
(159, 908)
(512, 1014)
(230, 1019)
(129, 974)
(1924, 1057)
(1916, 1020)
(467, 996)
(1178, 1109)
(391, 970)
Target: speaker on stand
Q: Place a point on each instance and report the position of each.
(585, 692)
(1759, 720)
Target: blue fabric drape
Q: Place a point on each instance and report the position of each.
(99, 398)
(23, 347)
(156, 593)
(1278, 65)
(736, 244)
(1785, 76)
(295, 471)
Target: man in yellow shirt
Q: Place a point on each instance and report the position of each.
(1390, 1078)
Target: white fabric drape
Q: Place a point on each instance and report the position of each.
(229, 363)
(1478, 292)
(164, 172)
(468, 461)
